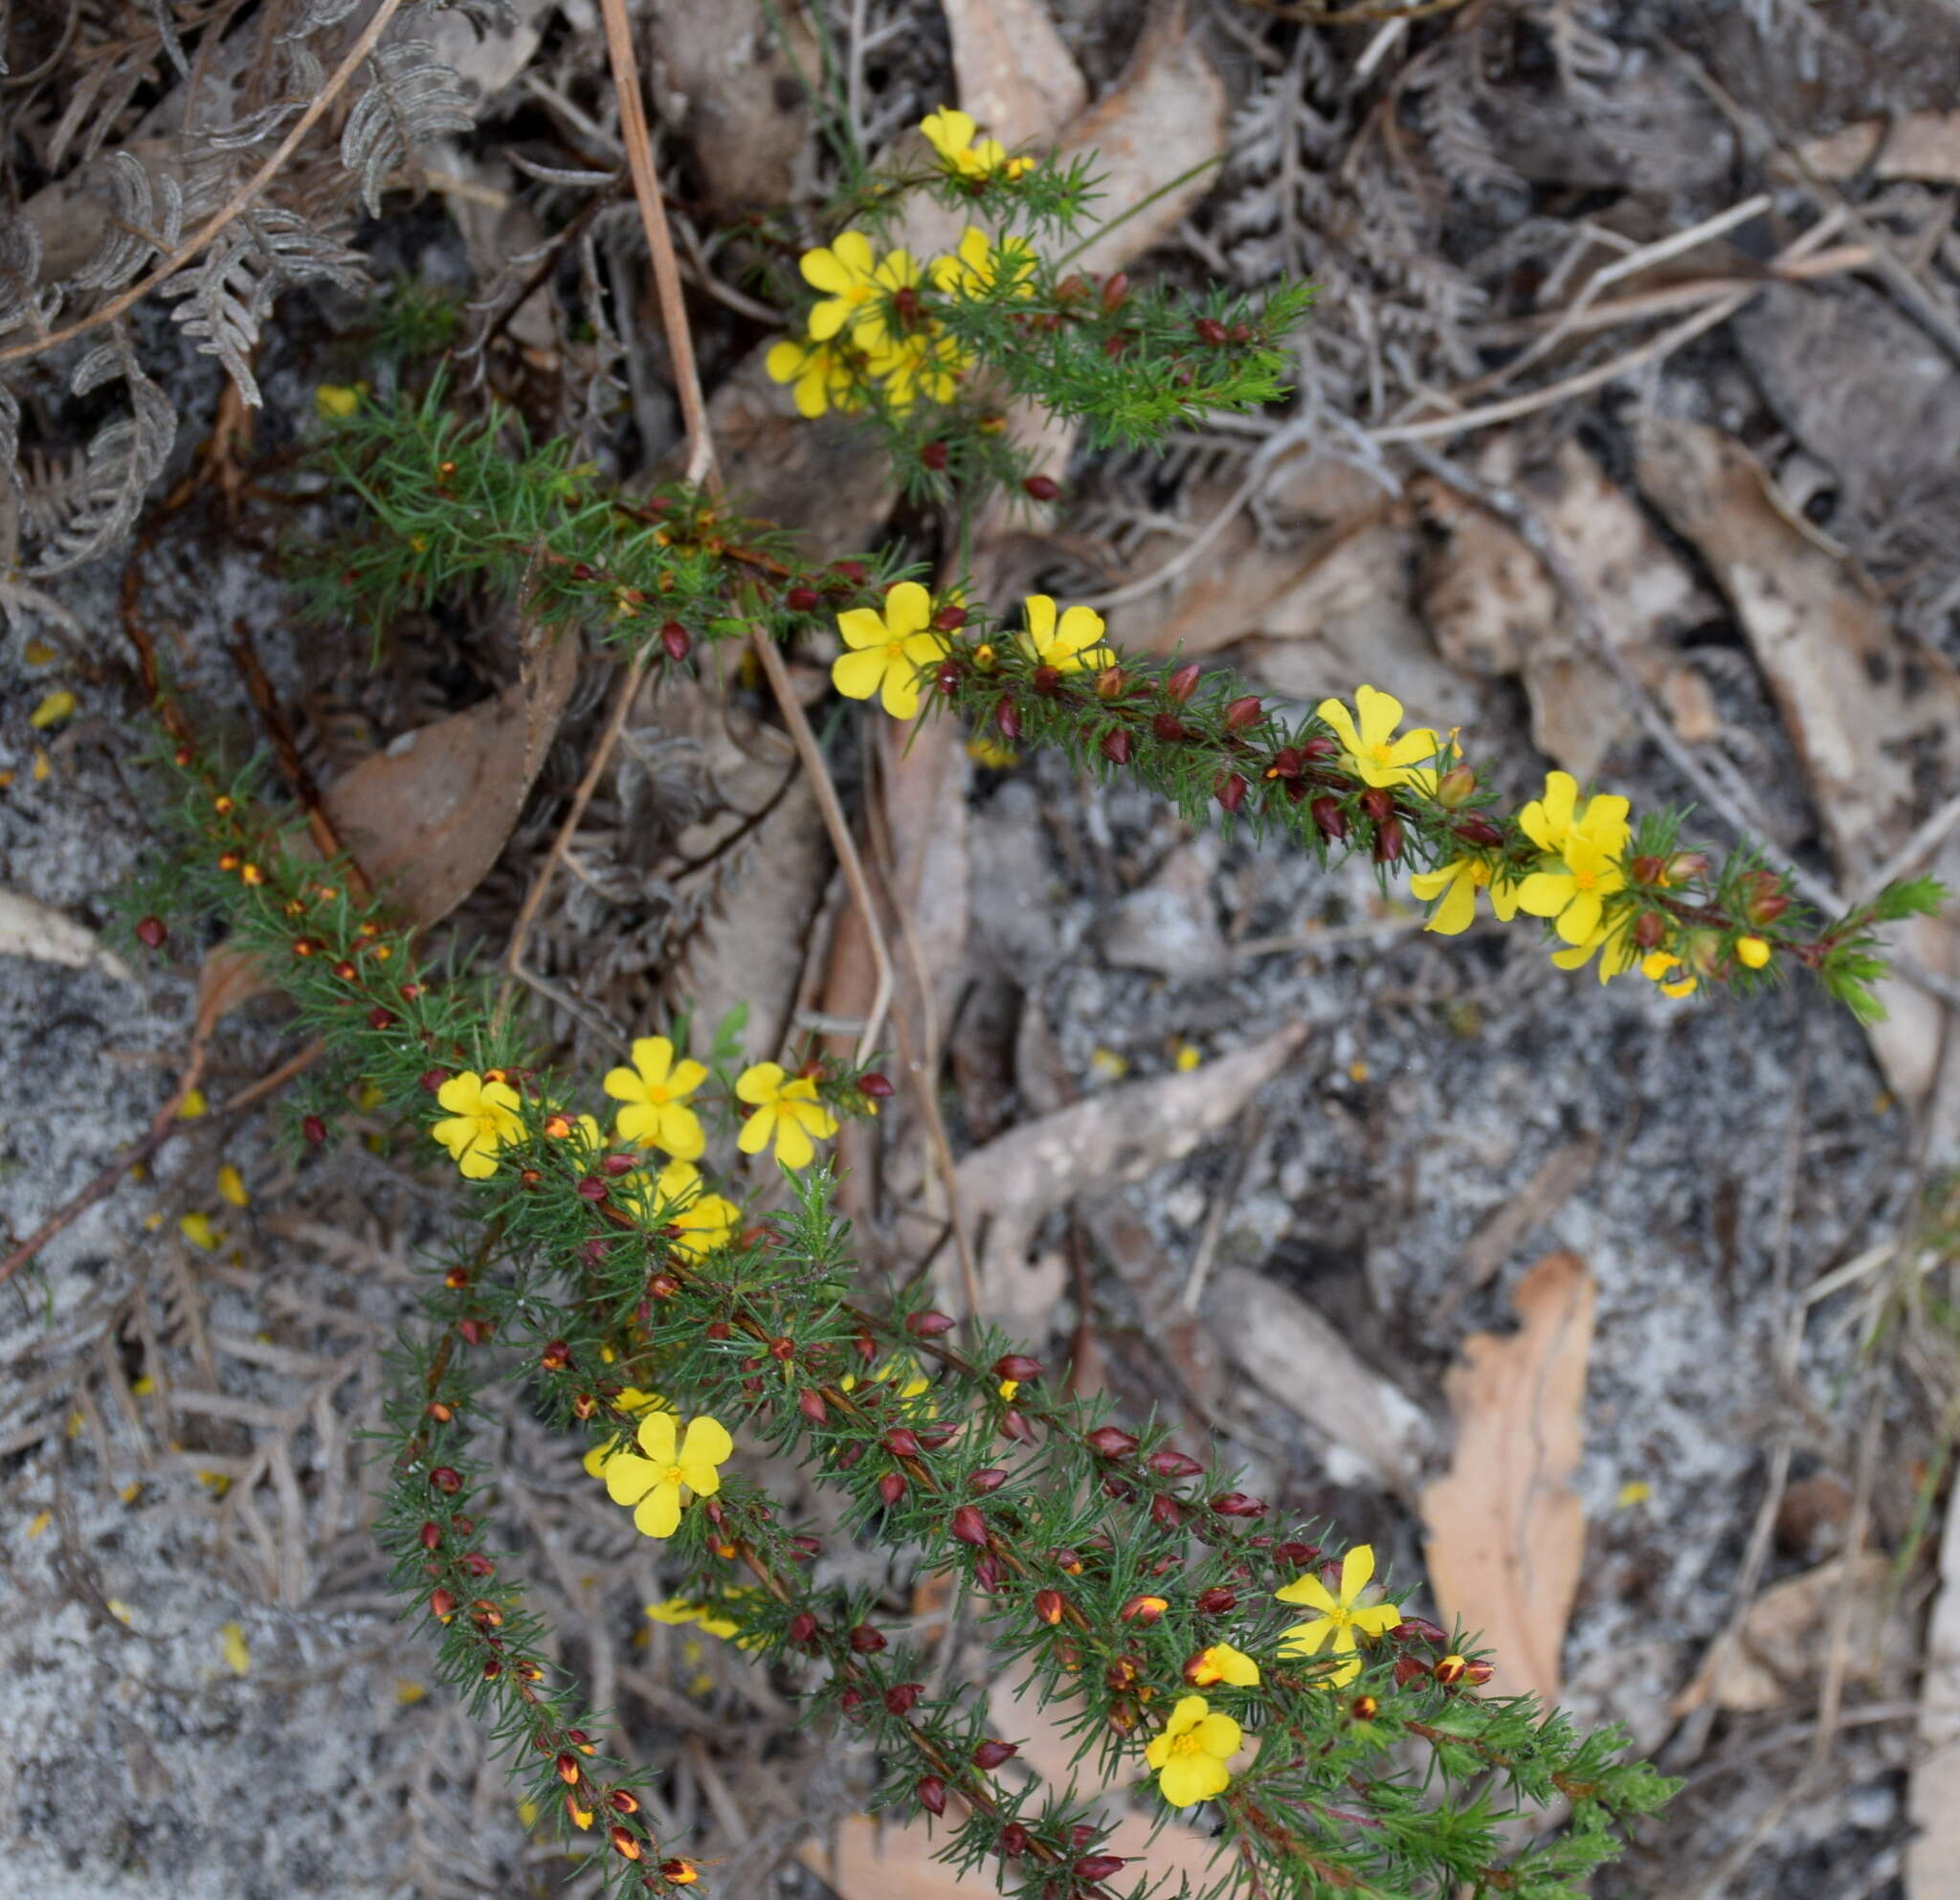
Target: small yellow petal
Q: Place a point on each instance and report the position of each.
(1636, 1490)
(53, 708)
(232, 1648)
(197, 1228)
(120, 1610)
(232, 1186)
(527, 1813)
(39, 1522)
(192, 1106)
(407, 1692)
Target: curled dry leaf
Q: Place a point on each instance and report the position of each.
(1920, 144)
(31, 929)
(1505, 1532)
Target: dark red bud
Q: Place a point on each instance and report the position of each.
(949, 619)
(901, 1442)
(1295, 1553)
(1142, 1610)
(1017, 1366)
(477, 1564)
(1098, 1867)
(379, 1018)
(1229, 789)
(1165, 1513)
(591, 1188)
(1014, 1840)
(849, 570)
(1329, 817)
(1167, 727)
(987, 1574)
(1015, 1428)
(1377, 804)
(555, 1357)
(1111, 1442)
(616, 1164)
(432, 1078)
(1650, 929)
(809, 1402)
(891, 1487)
(432, 1536)
(1217, 1601)
(990, 1480)
(151, 931)
(1048, 1605)
(475, 1330)
(1477, 831)
(970, 1527)
(928, 1325)
(1042, 487)
(990, 1754)
(1235, 1504)
(1007, 717)
(1183, 682)
(1046, 679)
(1418, 1629)
(442, 1604)
(1210, 330)
(900, 1696)
(935, 456)
(802, 1627)
(802, 599)
(313, 1130)
(1244, 713)
(1388, 840)
(675, 637)
(849, 1700)
(449, 1483)
(1116, 746)
(1115, 290)
(866, 1641)
(1169, 1463)
(805, 1546)
(931, 1793)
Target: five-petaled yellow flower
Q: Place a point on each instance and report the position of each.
(821, 375)
(860, 285)
(1586, 840)
(949, 132)
(887, 653)
(975, 265)
(1368, 734)
(1343, 1617)
(483, 1118)
(1457, 883)
(1191, 1754)
(928, 363)
(1069, 644)
(654, 1483)
(656, 1091)
(705, 1222)
(633, 1401)
(1223, 1663)
(787, 1111)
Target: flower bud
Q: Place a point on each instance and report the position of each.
(1111, 683)
(949, 618)
(1329, 817)
(802, 599)
(449, 1483)
(313, 1129)
(988, 1575)
(1244, 713)
(1014, 1840)
(1377, 805)
(990, 1480)
(1751, 953)
(809, 1402)
(442, 1605)
(970, 1527)
(990, 1754)
(151, 931)
(1388, 840)
(1650, 929)
(901, 1442)
(1408, 1671)
(802, 1627)
(1217, 1601)
(1165, 1513)
(555, 1357)
(1229, 789)
(931, 1793)
(1235, 1504)
(1098, 1867)
(1167, 727)
(1418, 1629)
(568, 1766)
(625, 1842)
(1686, 866)
(593, 1189)
(679, 1874)
(1048, 1605)
(1364, 1708)
(935, 455)
(1115, 289)
(477, 1564)
(1182, 681)
(1449, 1670)
(1169, 1463)
(1017, 1366)
(1042, 487)
(928, 1325)
(675, 637)
(866, 1641)
(1015, 1428)
(900, 1696)
(1455, 787)
(1116, 746)
(1111, 1442)
(1142, 1610)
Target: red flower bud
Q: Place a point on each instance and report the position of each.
(949, 618)
(477, 1564)
(931, 1793)
(1217, 1601)
(1377, 804)
(1167, 727)
(1477, 1674)
(442, 1605)
(449, 1483)
(1014, 1840)
(1111, 1442)
(1015, 1429)
(1477, 831)
(1182, 682)
(616, 1164)
(1048, 1605)
(675, 637)
(1244, 713)
(1169, 1463)
(1046, 679)
(1116, 746)
(345, 971)
(849, 570)
(1408, 1671)
(1388, 840)
(1210, 330)
(1448, 1670)
(875, 1085)
(1418, 1629)
(1111, 683)
(809, 1402)
(1142, 1610)
(432, 1536)
(1042, 487)
(625, 1842)
(1328, 816)
(1007, 717)
(379, 1018)
(1295, 1553)
(802, 1627)
(1165, 1513)
(1229, 789)
(1115, 290)
(990, 1754)
(900, 1696)
(935, 456)
(1235, 1504)
(591, 1188)
(901, 1442)
(803, 1545)
(1017, 1366)
(150, 932)
(802, 599)
(1098, 1867)
(891, 1487)
(970, 1527)
(866, 1641)
(313, 1130)
(432, 1078)
(990, 1480)
(928, 1325)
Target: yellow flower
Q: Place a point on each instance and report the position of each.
(785, 1109)
(1587, 842)
(656, 1091)
(1223, 1663)
(949, 132)
(859, 284)
(822, 375)
(1189, 1057)
(707, 1222)
(1664, 968)
(1191, 1754)
(1615, 945)
(232, 1186)
(1069, 645)
(1751, 953)
(1372, 749)
(991, 753)
(232, 1648)
(192, 1106)
(1343, 1617)
(197, 1228)
(974, 265)
(633, 1401)
(654, 1483)
(677, 1610)
(887, 653)
(335, 402)
(483, 1118)
(53, 709)
(1457, 883)
(1556, 819)
(926, 363)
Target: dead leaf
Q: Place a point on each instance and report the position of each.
(1017, 75)
(31, 929)
(1932, 1857)
(1559, 1176)
(1506, 1535)
(1293, 1355)
(1875, 719)
(1494, 611)
(721, 73)
(428, 817)
(1920, 144)
(1118, 1135)
(1781, 1648)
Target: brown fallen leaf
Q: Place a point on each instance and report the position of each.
(1932, 1857)
(1293, 1355)
(428, 817)
(1920, 144)
(1506, 1535)
(1875, 719)
(1118, 1135)
(1015, 72)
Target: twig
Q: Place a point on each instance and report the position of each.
(164, 1123)
(240, 200)
(837, 825)
(1926, 839)
(653, 213)
(1250, 1129)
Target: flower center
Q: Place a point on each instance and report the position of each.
(1379, 753)
(1585, 879)
(1187, 1744)
(657, 1095)
(672, 1475)
(486, 1125)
